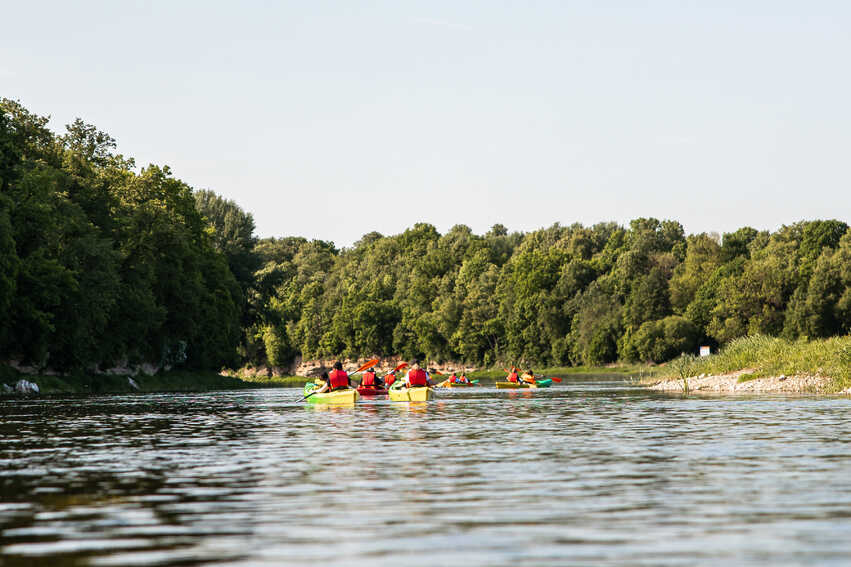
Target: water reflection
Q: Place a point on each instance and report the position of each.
(588, 472)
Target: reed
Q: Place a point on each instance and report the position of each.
(772, 356)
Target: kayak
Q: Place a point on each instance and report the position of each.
(419, 394)
(347, 396)
(453, 385)
(371, 391)
(546, 383)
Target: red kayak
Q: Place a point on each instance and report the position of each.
(371, 391)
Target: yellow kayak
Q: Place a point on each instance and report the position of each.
(347, 396)
(420, 394)
(448, 384)
(514, 385)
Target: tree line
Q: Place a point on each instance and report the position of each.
(101, 264)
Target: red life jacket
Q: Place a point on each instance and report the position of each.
(368, 379)
(389, 379)
(339, 379)
(417, 377)
(453, 379)
(512, 377)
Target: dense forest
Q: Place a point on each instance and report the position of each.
(105, 264)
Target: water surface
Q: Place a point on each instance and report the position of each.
(591, 472)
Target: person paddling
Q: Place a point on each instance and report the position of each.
(338, 379)
(370, 380)
(528, 377)
(512, 377)
(326, 383)
(453, 379)
(463, 378)
(416, 377)
(390, 378)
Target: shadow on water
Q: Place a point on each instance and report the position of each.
(592, 471)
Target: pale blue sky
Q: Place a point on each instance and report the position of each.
(309, 114)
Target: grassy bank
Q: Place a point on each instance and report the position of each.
(174, 381)
(765, 356)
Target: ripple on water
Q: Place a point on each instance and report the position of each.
(589, 472)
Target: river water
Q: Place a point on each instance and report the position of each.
(590, 472)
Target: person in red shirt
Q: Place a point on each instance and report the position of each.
(390, 378)
(338, 379)
(453, 379)
(417, 377)
(512, 377)
(370, 379)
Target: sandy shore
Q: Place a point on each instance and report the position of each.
(729, 384)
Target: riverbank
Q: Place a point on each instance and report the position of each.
(761, 364)
(172, 381)
(743, 382)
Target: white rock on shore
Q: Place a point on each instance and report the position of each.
(26, 387)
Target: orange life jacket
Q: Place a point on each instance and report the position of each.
(417, 377)
(512, 377)
(368, 379)
(339, 379)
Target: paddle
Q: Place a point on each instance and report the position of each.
(553, 378)
(368, 364)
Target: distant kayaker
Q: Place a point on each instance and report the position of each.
(371, 380)
(463, 378)
(390, 378)
(528, 377)
(512, 376)
(453, 379)
(416, 377)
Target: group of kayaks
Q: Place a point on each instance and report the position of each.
(352, 395)
(399, 393)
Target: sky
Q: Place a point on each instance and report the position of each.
(330, 120)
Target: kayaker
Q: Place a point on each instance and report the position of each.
(338, 379)
(528, 377)
(370, 379)
(390, 378)
(512, 377)
(326, 383)
(453, 379)
(416, 377)
(463, 378)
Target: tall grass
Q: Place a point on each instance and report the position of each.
(771, 356)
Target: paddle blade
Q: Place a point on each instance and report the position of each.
(554, 379)
(368, 364)
(400, 367)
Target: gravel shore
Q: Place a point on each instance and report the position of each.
(729, 384)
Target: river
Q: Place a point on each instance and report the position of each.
(593, 471)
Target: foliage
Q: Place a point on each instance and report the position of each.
(102, 263)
